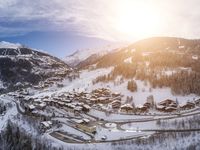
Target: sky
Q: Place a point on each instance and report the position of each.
(64, 26)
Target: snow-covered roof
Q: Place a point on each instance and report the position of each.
(42, 104)
(77, 120)
(160, 106)
(116, 101)
(86, 120)
(195, 57)
(31, 106)
(127, 106)
(47, 123)
(86, 106)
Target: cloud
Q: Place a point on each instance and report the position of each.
(84, 17)
(93, 18)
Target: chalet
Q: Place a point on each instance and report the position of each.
(116, 94)
(103, 100)
(101, 92)
(116, 104)
(142, 109)
(47, 101)
(147, 105)
(117, 98)
(41, 105)
(128, 108)
(94, 100)
(78, 109)
(37, 87)
(167, 102)
(86, 108)
(45, 125)
(60, 104)
(37, 101)
(70, 105)
(57, 99)
(195, 57)
(67, 101)
(29, 107)
(28, 99)
(188, 105)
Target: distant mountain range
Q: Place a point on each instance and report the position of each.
(81, 55)
(147, 45)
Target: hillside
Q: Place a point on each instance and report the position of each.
(160, 61)
(21, 66)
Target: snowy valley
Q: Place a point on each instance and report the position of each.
(142, 96)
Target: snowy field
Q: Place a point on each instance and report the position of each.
(115, 134)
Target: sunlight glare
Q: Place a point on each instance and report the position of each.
(137, 19)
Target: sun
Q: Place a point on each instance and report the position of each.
(137, 19)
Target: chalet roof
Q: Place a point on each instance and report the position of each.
(47, 100)
(127, 106)
(86, 106)
(31, 106)
(166, 101)
(86, 120)
(43, 104)
(37, 100)
(116, 101)
(46, 123)
(77, 120)
(61, 103)
(67, 100)
(141, 106)
(160, 107)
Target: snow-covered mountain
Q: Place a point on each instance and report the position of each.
(20, 66)
(81, 55)
(145, 47)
